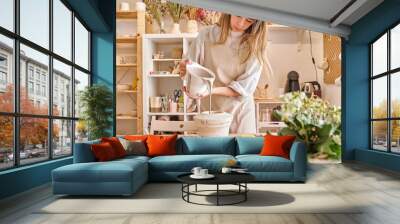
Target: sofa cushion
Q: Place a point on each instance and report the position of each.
(136, 147)
(185, 163)
(132, 158)
(277, 145)
(103, 152)
(257, 163)
(116, 145)
(207, 145)
(112, 171)
(142, 138)
(249, 145)
(161, 145)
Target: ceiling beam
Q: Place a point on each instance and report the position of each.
(267, 14)
(346, 12)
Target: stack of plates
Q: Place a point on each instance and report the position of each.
(208, 176)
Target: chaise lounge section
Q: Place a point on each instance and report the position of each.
(125, 176)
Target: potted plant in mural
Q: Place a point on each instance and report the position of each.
(96, 103)
(157, 10)
(191, 25)
(314, 121)
(176, 11)
(200, 16)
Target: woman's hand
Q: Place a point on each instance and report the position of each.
(182, 67)
(199, 96)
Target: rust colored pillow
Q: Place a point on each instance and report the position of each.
(161, 145)
(103, 152)
(116, 145)
(277, 145)
(136, 138)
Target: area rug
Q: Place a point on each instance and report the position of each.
(166, 198)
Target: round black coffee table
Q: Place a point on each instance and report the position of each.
(238, 179)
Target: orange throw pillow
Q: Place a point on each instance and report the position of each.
(277, 145)
(116, 145)
(159, 145)
(136, 138)
(103, 152)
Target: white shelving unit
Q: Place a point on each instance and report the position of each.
(264, 121)
(156, 83)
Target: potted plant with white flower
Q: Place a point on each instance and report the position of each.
(313, 121)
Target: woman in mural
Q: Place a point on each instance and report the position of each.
(234, 50)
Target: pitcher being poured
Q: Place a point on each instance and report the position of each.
(199, 81)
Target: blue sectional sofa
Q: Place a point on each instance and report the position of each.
(125, 176)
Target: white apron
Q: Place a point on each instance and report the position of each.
(224, 61)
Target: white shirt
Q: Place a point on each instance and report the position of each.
(224, 61)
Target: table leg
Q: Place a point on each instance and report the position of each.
(245, 193)
(217, 194)
(188, 190)
(196, 187)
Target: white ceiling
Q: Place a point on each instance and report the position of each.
(314, 15)
(321, 9)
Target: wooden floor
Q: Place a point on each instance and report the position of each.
(379, 189)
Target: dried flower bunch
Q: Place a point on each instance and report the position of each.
(156, 8)
(176, 11)
(207, 17)
(159, 8)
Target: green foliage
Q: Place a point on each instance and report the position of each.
(313, 121)
(97, 103)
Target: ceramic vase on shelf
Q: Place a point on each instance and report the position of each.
(192, 26)
(175, 28)
(161, 26)
(140, 7)
(124, 7)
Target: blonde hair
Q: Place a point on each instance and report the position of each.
(253, 40)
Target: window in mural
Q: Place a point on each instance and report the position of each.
(385, 97)
(43, 112)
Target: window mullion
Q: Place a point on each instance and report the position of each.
(73, 81)
(389, 106)
(16, 84)
(50, 81)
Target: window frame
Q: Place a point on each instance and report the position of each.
(16, 114)
(388, 74)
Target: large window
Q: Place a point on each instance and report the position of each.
(44, 64)
(385, 94)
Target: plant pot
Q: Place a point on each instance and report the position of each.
(175, 28)
(161, 26)
(149, 27)
(191, 26)
(313, 148)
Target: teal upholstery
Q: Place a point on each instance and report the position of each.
(119, 177)
(83, 152)
(184, 163)
(207, 145)
(257, 163)
(298, 155)
(249, 145)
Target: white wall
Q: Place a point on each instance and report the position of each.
(286, 54)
